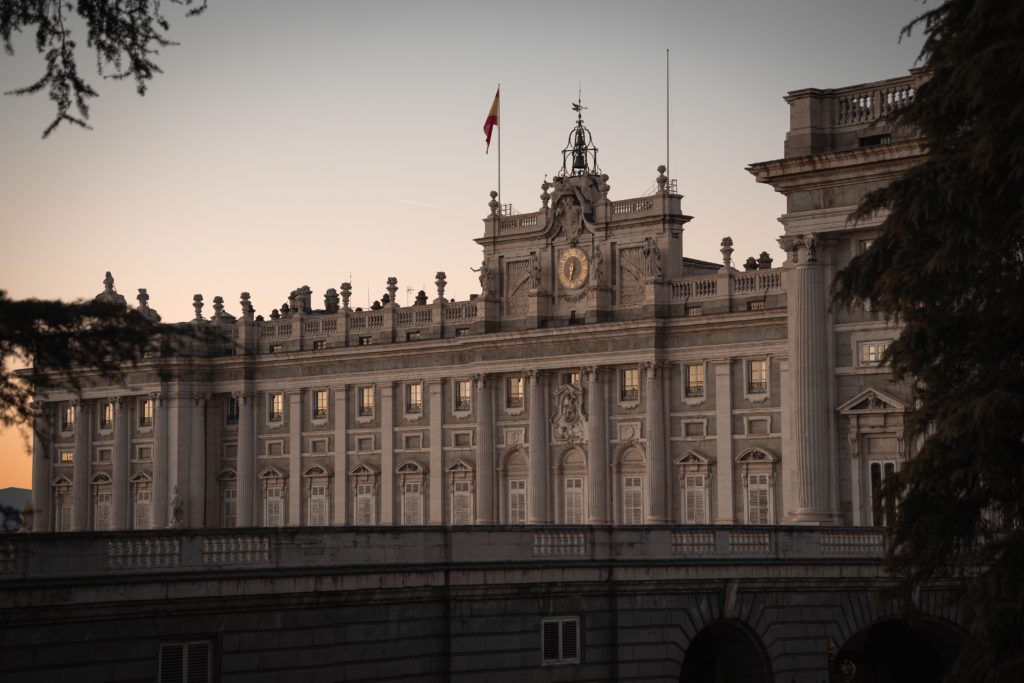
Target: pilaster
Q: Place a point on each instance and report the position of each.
(724, 475)
(295, 457)
(435, 391)
(41, 449)
(246, 475)
(195, 494)
(597, 440)
(339, 509)
(657, 458)
(80, 483)
(485, 451)
(119, 462)
(387, 453)
(539, 472)
(158, 513)
(179, 444)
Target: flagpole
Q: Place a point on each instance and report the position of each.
(668, 168)
(500, 209)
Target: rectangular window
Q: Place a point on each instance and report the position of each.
(463, 394)
(695, 501)
(276, 348)
(462, 504)
(560, 640)
(632, 500)
(757, 376)
(319, 345)
(414, 398)
(871, 353)
(365, 341)
(364, 504)
(517, 501)
(275, 406)
(232, 411)
(694, 380)
(572, 378)
(185, 663)
(629, 384)
(67, 456)
(366, 401)
(412, 503)
(758, 511)
(67, 418)
(229, 506)
(515, 392)
(63, 509)
(320, 403)
(694, 311)
(462, 439)
(883, 503)
(143, 499)
(755, 305)
(864, 245)
(574, 500)
(273, 507)
(146, 413)
(107, 416)
(103, 455)
(318, 505)
(413, 336)
(318, 445)
(461, 331)
(101, 518)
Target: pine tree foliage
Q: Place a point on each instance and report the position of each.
(126, 36)
(948, 267)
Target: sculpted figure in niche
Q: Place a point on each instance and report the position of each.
(535, 271)
(598, 266)
(653, 255)
(177, 509)
(570, 408)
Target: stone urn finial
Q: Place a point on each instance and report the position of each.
(545, 198)
(197, 303)
(247, 309)
(346, 294)
(727, 252)
(493, 203)
(662, 179)
(392, 288)
(441, 282)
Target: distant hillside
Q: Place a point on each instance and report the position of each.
(14, 498)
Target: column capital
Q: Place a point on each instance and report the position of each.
(156, 397)
(481, 380)
(593, 372)
(37, 408)
(200, 398)
(535, 376)
(243, 397)
(651, 370)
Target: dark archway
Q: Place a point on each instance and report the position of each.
(726, 652)
(897, 651)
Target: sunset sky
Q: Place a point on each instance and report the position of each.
(311, 143)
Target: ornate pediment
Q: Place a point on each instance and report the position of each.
(100, 478)
(272, 472)
(316, 471)
(362, 469)
(61, 481)
(692, 458)
(756, 455)
(872, 401)
(459, 466)
(409, 467)
(140, 477)
(569, 413)
(227, 475)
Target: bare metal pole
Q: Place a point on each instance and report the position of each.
(668, 167)
(500, 209)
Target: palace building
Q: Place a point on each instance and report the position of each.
(601, 375)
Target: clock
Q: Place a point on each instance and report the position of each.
(573, 268)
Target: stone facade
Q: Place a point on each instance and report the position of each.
(601, 375)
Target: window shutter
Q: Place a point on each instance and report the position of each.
(198, 663)
(574, 501)
(570, 639)
(550, 640)
(413, 508)
(172, 665)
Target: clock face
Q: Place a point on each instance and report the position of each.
(573, 268)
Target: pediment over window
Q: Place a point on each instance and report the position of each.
(228, 474)
(100, 478)
(61, 480)
(459, 466)
(756, 455)
(692, 458)
(362, 469)
(409, 467)
(316, 471)
(872, 401)
(140, 477)
(272, 473)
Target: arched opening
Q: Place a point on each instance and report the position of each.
(725, 652)
(896, 651)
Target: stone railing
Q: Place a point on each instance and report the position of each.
(756, 281)
(730, 284)
(521, 223)
(869, 104)
(694, 288)
(464, 311)
(632, 206)
(39, 556)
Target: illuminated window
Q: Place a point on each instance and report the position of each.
(276, 348)
(319, 345)
(232, 411)
(107, 416)
(515, 392)
(67, 456)
(146, 413)
(414, 398)
(757, 376)
(629, 384)
(871, 352)
(67, 421)
(320, 403)
(463, 394)
(694, 380)
(366, 401)
(276, 407)
(572, 378)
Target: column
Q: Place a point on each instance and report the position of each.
(657, 458)
(41, 454)
(435, 390)
(158, 513)
(295, 457)
(195, 496)
(339, 510)
(539, 471)
(597, 439)
(387, 453)
(246, 475)
(179, 446)
(808, 353)
(80, 485)
(484, 451)
(119, 463)
(724, 484)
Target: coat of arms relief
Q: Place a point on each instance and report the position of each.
(569, 413)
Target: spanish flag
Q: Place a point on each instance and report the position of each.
(492, 118)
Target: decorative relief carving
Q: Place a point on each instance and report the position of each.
(517, 285)
(632, 271)
(569, 413)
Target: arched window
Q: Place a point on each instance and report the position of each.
(515, 473)
(411, 480)
(628, 467)
(318, 486)
(142, 500)
(63, 503)
(757, 467)
(694, 488)
(273, 496)
(364, 500)
(228, 481)
(460, 487)
(572, 470)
